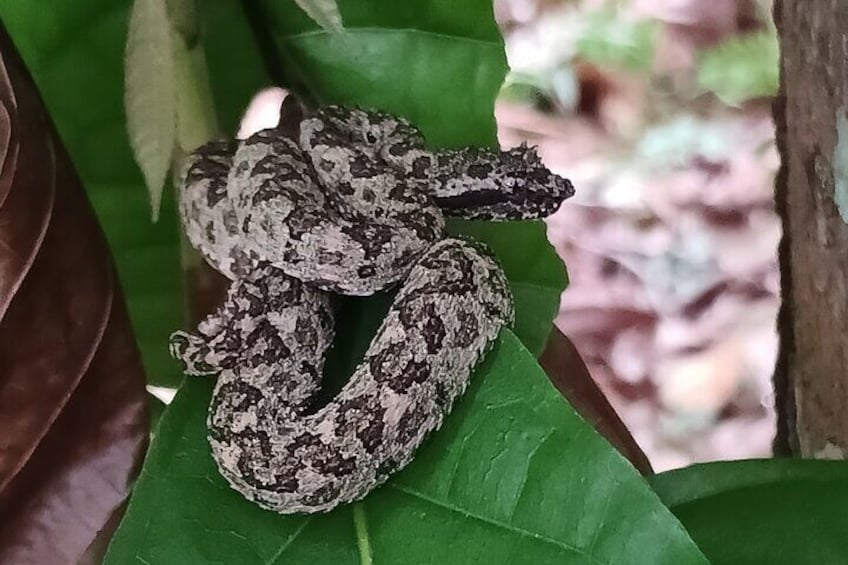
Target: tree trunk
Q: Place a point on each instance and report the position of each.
(811, 115)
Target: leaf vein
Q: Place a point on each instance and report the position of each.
(530, 457)
(386, 30)
(497, 523)
(289, 541)
(458, 459)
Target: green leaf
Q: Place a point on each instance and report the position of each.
(535, 272)
(195, 111)
(778, 511)
(324, 12)
(155, 409)
(741, 68)
(151, 93)
(439, 66)
(514, 476)
(196, 121)
(75, 51)
(183, 18)
(609, 39)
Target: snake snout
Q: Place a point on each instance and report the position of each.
(547, 190)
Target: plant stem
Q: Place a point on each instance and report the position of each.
(362, 541)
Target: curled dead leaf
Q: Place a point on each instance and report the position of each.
(568, 373)
(72, 398)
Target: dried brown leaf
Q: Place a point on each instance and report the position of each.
(72, 399)
(569, 375)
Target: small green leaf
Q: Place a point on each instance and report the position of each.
(196, 120)
(609, 39)
(324, 12)
(514, 476)
(779, 511)
(151, 94)
(517, 89)
(741, 68)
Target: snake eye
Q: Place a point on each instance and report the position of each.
(370, 137)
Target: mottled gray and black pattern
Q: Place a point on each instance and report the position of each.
(348, 202)
(208, 215)
(482, 184)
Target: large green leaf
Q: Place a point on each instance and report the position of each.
(778, 511)
(75, 51)
(514, 476)
(437, 65)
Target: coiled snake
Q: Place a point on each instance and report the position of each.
(343, 201)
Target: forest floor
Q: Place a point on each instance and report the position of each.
(671, 239)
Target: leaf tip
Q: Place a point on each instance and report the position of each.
(325, 13)
(154, 190)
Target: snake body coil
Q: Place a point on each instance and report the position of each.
(349, 202)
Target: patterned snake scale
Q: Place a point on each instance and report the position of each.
(347, 201)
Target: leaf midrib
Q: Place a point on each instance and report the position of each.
(492, 522)
(456, 510)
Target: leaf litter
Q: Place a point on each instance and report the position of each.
(671, 240)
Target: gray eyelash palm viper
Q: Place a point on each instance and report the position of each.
(345, 201)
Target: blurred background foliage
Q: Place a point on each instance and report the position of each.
(625, 36)
(659, 111)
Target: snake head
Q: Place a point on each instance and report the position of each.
(483, 184)
(536, 189)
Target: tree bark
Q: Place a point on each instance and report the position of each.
(811, 115)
